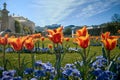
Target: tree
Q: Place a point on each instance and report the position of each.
(27, 30)
(116, 18)
(17, 27)
(68, 31)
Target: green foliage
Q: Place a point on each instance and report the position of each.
(17, 27)
(27, 30)
(67, 31)
(116, 18)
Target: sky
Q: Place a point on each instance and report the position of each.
(64, 12)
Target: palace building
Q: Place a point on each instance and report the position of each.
(15, 24)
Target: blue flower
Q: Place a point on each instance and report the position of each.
(70, 70)
(73, 49)
(67, 72)
(33, 79)
(99, 63)
(69, 66)
(39, 73)
(76, 73)
(36, 49)
(28, 71)
(6, 77)
(48, 67)
(79, 63)
(106, 75)
(9, 50)
(17, 78)
(45, 49)
(99, 57)
(38, 63)
(1, 68)
(9, 73)
(119, 58)
(97, 72)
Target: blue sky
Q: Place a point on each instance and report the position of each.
(64, 12)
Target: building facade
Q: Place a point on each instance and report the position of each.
(8, 22)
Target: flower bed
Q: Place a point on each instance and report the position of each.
(103, 67)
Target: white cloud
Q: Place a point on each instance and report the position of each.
(55, 11)
(97, 7)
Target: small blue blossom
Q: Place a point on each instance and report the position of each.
(97, 71)
(33, 79)
(1, 68)
(67, 72)
(17, 78)
(119, 58)
(79, 63)
(39, 73)
(70, 70)
(9, 50)
(6, 77)
(36, 49)
(106, 75)
(73, 49)
(28, 71)
(44, 50)
(9, 73)
(76, 73)
(99, 63)
(38, 63)
(69, 65)
(99, 57)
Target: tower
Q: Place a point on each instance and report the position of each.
(4, 19)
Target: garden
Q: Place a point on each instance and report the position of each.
(55, 57)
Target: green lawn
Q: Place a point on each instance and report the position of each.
(68, 58)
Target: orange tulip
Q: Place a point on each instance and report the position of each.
(109, 41)
(105, 35)
(42, 38)
(83, 38)
(58, 30)
(56, 35)
(118, 31)
(50, 46)
(38, 35)
(67, 39)
(110, 44)
(81, 32)
(17, 43)
(29, 43)
(4, 40)
(83, 41)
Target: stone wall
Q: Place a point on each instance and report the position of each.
(11, 24)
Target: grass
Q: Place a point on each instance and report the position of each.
(68, 58)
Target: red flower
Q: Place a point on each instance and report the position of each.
(81, 32)
(50, 46)
(83, 41)
(109, 41)
(105, 35)
(42, 38)
(4, 40)
(17, 43)
(110, 44)
(67, 39)
(56, 35)
(82, 38)
(29, 43)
